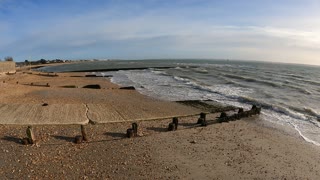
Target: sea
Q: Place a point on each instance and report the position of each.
(289, 94)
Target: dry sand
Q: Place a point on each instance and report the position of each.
(243, 149)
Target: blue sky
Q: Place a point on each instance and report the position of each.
(267, 30)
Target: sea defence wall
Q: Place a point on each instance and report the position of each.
(7, 67)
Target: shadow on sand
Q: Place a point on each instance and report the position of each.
(12, 139)
(115, 134)
(158, 129)
(188, 124)
(65, 138)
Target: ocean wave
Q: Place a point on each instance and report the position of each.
(306, 110)
(182, 68)
(306, 129)
(159, 72)
(250, 100)
(285, 83)
(225, 86)
(290, 112)
(181, 79)
(247, 79)
(301, 90)
(294, 75)
(316, 83)
(201, 70)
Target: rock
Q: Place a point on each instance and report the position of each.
(128, 88)
(92, 86)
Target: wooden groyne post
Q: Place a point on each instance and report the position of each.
(84, 133)
(202, 119)
(174, 124)
(132, 132)
(30, 137)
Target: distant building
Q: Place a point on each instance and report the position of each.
(7, 67)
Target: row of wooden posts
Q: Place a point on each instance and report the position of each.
(133, 131)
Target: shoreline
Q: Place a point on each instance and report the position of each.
(247, 149)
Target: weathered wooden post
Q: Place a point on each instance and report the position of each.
(135, 129)
(171, 127)
(240, 114)
(203, 122)
(203, 115)
(255, 109)
(175, 121)
(223, 117)
(258, 110)
(254, 106)
(84, 133)
(130, 133)
(201, 118)
(78, 139)
(30, 135)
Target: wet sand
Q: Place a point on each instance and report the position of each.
(243, 149)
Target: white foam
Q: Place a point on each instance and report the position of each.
(159, 84)
(306, 130)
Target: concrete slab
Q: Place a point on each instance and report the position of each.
(31, 114)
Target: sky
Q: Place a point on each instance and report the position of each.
(265, 30)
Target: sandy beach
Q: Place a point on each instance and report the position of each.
(245, 149)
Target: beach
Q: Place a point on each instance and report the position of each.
(245, 149)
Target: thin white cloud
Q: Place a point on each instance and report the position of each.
(159, 33)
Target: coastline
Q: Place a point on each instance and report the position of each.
(244, 149)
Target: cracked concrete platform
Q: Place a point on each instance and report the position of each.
(21, 103)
